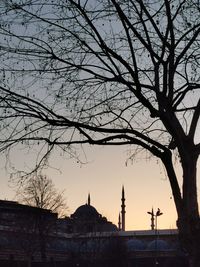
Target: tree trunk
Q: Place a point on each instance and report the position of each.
(188, 219)
(186, 203)
(189, 239)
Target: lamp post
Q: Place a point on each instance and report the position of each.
(154, 226)
(154, 219)
(158, 213)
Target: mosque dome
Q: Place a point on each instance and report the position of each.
(135, 244)
(158, 245)
(86, 219)
(86, 212)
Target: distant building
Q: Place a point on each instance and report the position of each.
(86, 219)
(25, 232)
(32, 236)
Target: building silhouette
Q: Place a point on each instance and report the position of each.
(86, 219)
(34, 237)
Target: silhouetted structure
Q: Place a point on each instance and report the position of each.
(87, 219)
(123, 212)
(33, 237)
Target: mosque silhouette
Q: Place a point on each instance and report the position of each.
(87, 219)
(36, 237)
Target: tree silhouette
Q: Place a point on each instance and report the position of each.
(39, 191)
(106, 72)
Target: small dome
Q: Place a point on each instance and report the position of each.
(134, 244)
(158, 245)
(85, 212)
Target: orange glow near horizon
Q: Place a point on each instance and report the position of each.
(145, 183)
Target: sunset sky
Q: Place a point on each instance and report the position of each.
(144, 179)
(145, 182)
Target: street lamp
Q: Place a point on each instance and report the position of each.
(154, 226)
(158, 213)
(154, 220)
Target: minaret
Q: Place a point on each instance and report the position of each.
(123, 210)
(152, 220)
(88, 199)
(119, 222)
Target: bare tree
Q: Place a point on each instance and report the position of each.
(106, 72)
(39, 191)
